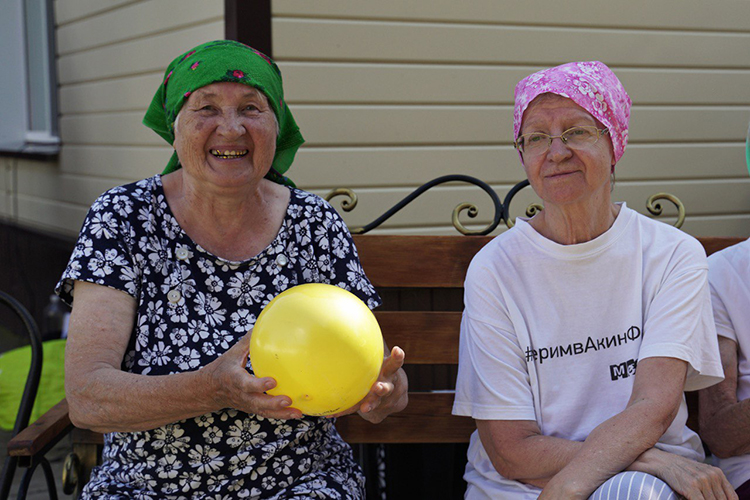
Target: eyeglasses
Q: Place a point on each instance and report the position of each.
(537, 143)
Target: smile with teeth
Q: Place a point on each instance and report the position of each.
(228, 154)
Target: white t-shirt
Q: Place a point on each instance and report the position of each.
(729, 276)
(553, 333)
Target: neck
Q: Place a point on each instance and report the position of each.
(233, 223)
(575, 223)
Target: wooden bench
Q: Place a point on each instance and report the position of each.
(420, 279)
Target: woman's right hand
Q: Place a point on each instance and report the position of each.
(234, 387)
(691, 479)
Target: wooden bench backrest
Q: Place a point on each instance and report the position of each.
(421, 270)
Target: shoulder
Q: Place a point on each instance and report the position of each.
(121, 199)
(315, 209)
(497, 256)
(734, 256)
(729, 264)
(663, 241)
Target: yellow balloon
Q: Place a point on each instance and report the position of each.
(321, 344)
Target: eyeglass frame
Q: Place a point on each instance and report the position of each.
(599, 133)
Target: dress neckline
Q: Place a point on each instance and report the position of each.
(276, 243)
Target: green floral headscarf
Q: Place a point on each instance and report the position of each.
(224, 61)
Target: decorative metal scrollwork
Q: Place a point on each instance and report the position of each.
(347, 205)
(502, 209)
(653, 206)
(472, 209)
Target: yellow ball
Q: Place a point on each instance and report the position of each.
(321, 344)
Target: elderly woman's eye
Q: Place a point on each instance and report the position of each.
(534, 138)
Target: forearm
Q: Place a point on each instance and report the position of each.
(547, 456)
(727, 432)
(113, 400)
(611, 448)
(519, 452)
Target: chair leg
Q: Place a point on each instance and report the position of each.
(6, 480)
(23, 489)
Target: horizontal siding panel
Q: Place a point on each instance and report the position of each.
(435, 207)
(135, 57)
(311, 82)
(727, 225)
(134, 21)
(108, 128)
(75, 190)
(661, 14)
(60, 218)
(67, 11)
(390, 42)
(121, 94)
(404, 125)
(316, 168)
(370, 125)
(130, 163)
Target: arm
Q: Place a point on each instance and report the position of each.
(619, 441)
(104, 398)
(519, 451)
(724, 421)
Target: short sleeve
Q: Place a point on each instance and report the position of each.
(337, 260)
(493, 379)
(679, 324)
(102, 254)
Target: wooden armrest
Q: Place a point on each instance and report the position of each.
(427, 419)
(43, 433)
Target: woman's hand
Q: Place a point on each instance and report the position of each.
(388, 394)
(691, 479)
(235, 388)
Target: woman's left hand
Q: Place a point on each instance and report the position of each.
(388, 394)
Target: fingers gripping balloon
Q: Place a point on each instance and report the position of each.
(321, 344)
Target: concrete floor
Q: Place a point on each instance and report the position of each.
(38, 488)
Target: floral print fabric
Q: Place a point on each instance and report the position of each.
(191, 307)
(591, 85)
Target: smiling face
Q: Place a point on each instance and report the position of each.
(225, 135)
(563, 176)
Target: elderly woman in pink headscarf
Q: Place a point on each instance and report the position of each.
(584, 324)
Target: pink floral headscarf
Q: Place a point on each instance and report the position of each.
(591, 85)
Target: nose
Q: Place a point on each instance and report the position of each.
(231, 125)
(558, 150)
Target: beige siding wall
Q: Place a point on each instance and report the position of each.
(391, 94)
(111, 58)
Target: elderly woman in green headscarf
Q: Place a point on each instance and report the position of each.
(169, 275)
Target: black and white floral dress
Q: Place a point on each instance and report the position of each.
(192, 306)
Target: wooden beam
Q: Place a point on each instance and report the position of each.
(249, 22)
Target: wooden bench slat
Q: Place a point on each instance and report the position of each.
(427, 419)
(36, 436)
(417, 261)
(426, 337)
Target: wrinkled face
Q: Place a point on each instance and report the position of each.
(225, 134)
(561, 175)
